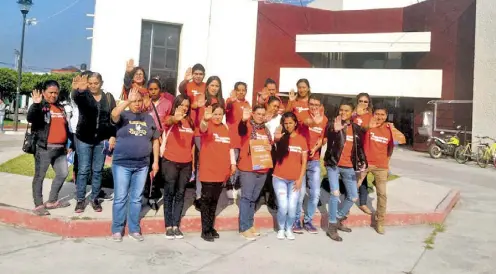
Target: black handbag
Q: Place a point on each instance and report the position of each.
(29, 145)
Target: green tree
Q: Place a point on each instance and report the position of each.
(8, 81)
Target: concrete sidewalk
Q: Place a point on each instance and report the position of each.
(409, 202)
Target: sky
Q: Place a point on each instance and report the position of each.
(58, 39)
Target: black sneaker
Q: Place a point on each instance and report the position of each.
(97, 206)
(178, 234)
(152, 203)
(80, 206)
(215, 234)
(105, 196)
(169, 234)
(196, 203)
(207, 237)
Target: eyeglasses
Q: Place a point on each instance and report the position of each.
(363, 101)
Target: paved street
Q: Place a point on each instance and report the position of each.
(467, 246)
(10, 144)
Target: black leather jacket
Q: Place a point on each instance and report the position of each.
(335, 144)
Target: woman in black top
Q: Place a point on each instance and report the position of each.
(93, 129)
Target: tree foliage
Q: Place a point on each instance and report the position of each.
(30, 81)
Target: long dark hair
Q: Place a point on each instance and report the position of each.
(303, 80)
(208, 97)
(363, 94)
(177, 102)
(133, 72)
(282, 147)
(155, 81)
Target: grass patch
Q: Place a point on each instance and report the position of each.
(10, 122)
(24, 165)
(431, 239)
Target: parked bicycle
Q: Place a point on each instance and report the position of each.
(486, 153)
(469, 151)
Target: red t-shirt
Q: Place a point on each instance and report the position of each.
(312, 135)
(376, 151)
(179, 143)
(345, 159)
(57, 135)
(290, 168)
(199, 116)
(215, 158)
(244, 161)
(301, 110)
(193, 91)
(363, 120)
(234, 114)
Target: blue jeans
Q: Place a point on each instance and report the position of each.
(90, 161)
(348, 176)
(128, 185)
(287, 199)
(251, 185)
(312, 176)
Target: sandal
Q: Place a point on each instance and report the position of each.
(58, 204)
(41, 211)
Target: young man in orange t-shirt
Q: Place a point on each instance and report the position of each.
(378, 146)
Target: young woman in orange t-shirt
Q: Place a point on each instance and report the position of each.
(291, 162)
(343, 158)
(252, 176)
(177, 143)
(216, 165)
(298, 102)
(362, 117)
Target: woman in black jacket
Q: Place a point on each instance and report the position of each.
(93, 129)
(343, 158)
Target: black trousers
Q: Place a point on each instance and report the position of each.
(363, 193)
(152, 189)
(210, 194)
(176, 176)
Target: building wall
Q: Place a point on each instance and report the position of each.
(360, 4)
(278, 26)
(485, 69)
(225, 45)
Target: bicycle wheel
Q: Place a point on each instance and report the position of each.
(482, 156)
(462, 154)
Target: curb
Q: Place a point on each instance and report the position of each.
(99, 228)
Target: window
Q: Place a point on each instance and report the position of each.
(159, 51)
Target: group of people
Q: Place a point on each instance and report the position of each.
(159, 141)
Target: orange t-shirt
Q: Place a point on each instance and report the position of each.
(179, 143)
(234, 114)
(363, 120)
(193, 91)
(199, 116)
(57, 135)
(290, 168)
(215, 158)
(312, 135)
(244, 161)
(345, 159)
(377, 148)
(301, 110)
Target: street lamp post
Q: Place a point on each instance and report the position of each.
(24, 6)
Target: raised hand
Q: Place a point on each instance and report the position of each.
(189, 74)
(338, 125)
(179, 115)
(130, 65)
(36, 96)
(232, 95)
(373, 123)
(75, 82)
(208, 113)
(133, 95)
(246, 114)
(264, 94)
(292, 95)
(200, 101)
(83, 83)
(361, 110)
(278, 133)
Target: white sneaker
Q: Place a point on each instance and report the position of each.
(280, 235)
(289, 234)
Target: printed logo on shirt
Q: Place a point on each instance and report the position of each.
(262, 137)
(185, 130)
(359, 121)
(301, 109)
(224, 140)
(195, 92)
(295, 149)
(56, 114)
(138, 129)
(316, 129)
(379, 139)
(349, 138)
